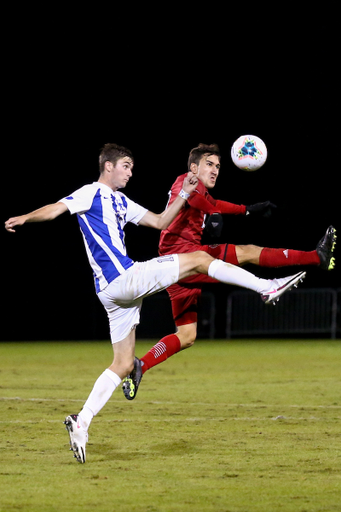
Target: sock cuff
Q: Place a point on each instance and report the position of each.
(113, 376)
(173, 344)
(213, 267)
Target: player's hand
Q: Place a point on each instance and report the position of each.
(11, 223)
(214, 224)
(190, 183)
(261, 209)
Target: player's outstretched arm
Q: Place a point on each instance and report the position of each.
(164, 219)
(48, 212)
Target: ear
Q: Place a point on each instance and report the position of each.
(108, 166)
(194, 168)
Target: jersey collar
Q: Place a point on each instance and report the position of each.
(104, 187)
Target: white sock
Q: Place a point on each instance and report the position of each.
(230, 274)
(103, 388)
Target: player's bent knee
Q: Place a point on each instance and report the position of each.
(202, 261)
(187, 344)
(187, 335)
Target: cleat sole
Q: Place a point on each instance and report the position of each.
(331, 265)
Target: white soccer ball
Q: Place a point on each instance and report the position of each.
(249, 153)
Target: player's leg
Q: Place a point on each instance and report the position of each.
(78, 425)
(270, 290)
(246, 253)
(158, 272)
(187, 334)
(123, 363)
(189, 265)
(274, 258)
(167, 347)
(184, 309)
(184, 298)
(269, 257)
(122, 323)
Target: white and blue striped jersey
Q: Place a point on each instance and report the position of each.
(102, 215)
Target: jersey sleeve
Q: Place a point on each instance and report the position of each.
(229, 208)
(197, 201)
(79, 201)
(135, 212)
(210, 205)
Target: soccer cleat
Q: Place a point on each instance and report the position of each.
(132, 381)
(280, 286)
(325, 249)
(78, 437)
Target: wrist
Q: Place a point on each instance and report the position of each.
(183, 194)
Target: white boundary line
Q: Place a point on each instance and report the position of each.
(175, 420)
(203, 404)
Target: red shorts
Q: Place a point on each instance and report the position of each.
(184, 295)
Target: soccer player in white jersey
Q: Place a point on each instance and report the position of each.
(121, 284)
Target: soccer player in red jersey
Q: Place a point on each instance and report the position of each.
(184, 236)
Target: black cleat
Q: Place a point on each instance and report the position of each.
(325, 249)
(132, 381)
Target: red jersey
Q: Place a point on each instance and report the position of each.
(187, 228)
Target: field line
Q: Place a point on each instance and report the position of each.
(165, 402)
(222, 419)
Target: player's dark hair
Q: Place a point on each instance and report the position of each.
(111, 153)
(196, 154)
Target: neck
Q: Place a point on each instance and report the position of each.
(107, 183)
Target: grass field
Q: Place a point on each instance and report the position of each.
(223, 427)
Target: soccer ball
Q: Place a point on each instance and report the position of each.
(249, 153)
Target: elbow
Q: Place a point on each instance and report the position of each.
(161, 222)
(163, 225)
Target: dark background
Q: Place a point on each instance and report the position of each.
(160, 87)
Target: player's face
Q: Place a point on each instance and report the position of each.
(121, 173)
(208, 170)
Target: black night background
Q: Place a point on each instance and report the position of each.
(160, 99)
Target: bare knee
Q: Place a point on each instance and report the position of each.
(248, 254)
(204, 258)
(202, 261)
(187, 335)
(194, 263)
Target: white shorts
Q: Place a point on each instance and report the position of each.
(123, 297)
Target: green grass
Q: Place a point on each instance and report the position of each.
(223, 427)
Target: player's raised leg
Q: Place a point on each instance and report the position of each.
(201, 262)
(269, 289)
(322, 256)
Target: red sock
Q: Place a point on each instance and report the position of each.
(287, 257)
(167, 347)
